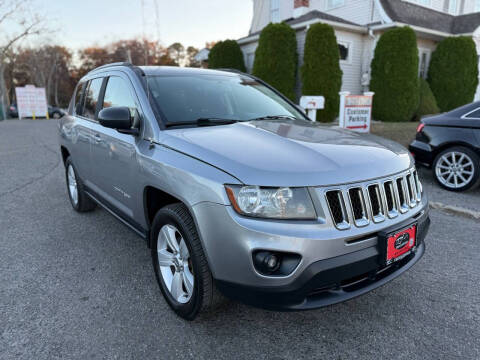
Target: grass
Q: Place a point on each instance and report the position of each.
(401, 132)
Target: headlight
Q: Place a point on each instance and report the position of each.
(274, 203)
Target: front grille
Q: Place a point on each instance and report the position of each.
(402, 195)
(376, 204)
(373, 201)
(336, 205)
(392, 208)
(358, 203)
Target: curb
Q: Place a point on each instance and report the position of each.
(456, 210)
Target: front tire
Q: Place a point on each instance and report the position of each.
(180, 265)
(457, 169)
(76, 193)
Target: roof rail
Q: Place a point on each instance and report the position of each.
(135, 68)
(114, 64)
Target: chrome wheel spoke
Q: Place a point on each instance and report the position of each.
(176, 289)
(169, 233)
(165, 258)
(72, 184)
(183, 249)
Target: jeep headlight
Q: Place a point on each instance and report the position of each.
(273, 203)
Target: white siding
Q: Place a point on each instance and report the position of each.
(357, 11)
(438, 5)
(352, 71)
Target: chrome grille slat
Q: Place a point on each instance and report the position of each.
(367, 202)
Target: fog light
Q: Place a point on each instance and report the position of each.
(271, 261)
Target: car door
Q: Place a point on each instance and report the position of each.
(80, 133)
(113, 155)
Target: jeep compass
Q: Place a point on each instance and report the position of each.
(236, 192)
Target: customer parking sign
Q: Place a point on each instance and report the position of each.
(356, 111)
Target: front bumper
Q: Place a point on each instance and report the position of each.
(335, 265)
(330, 281)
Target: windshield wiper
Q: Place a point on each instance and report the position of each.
(202, 122)
(275, 117)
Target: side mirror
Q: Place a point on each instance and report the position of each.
(118, 118)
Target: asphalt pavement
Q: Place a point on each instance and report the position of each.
(81, 286)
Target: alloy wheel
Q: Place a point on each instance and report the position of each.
(72, 184)
(455, 169)
(175, 263)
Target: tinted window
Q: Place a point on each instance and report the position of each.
(91, 97)
(78, 98)
(474, 115)
(118, 93)
(188, 98)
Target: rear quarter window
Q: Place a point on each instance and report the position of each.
(78, 104)
(474, 114)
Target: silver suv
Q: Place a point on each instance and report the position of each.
(236, 192)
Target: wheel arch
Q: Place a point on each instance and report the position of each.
(451, 144)
(65, 153)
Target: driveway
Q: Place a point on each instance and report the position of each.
(81, 286)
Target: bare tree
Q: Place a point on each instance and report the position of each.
(14, 14)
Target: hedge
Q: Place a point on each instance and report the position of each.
(453, 73)
(428, 104)
(321, 73)
(226, 55)
(395, 76)
(276, 58)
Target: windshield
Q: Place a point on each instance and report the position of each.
(187, 98)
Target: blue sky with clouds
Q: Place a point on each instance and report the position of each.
(80, 23)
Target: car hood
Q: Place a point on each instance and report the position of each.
(290, 153)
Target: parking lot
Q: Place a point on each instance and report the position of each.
(81, 285)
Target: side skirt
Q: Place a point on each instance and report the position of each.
(144, 234)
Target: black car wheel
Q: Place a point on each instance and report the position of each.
(457, 169)
(180, 265)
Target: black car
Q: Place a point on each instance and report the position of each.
(53, 112)
(449, 143)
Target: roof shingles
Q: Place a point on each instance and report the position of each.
(416, 15)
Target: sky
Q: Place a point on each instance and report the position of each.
(81, 23)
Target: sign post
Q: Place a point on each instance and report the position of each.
(31, 102)
(356, 111)
(311, 104)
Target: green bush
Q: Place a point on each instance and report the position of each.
(226, 55)
(321, 73)
(395, 76)
(276, 58)
(428, 104)
(453, 73)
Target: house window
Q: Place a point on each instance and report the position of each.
(423, 62)
(452, 7)
(275, 11)
(423, 2)
(332, 4)
(344, 49)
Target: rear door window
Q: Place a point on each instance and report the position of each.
(474, 115)
(91, 98)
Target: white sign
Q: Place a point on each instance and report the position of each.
(356, 111)
(31, 102)
(311, 104)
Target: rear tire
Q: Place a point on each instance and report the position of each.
(175, 223)
(457, 169)
(80, 201)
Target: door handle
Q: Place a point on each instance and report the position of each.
(97, 138)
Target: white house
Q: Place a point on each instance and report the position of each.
(358, 25)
